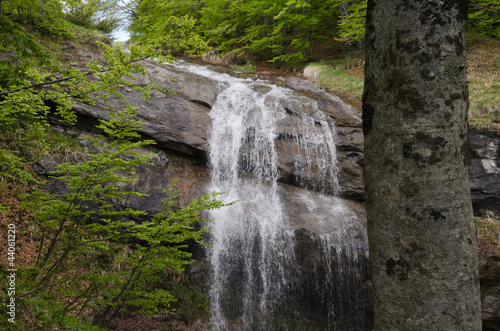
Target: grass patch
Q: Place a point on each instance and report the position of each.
(79, 38)
(118, 44)
(488, 230)
(84, 36)
(245, 70)
(483, 55)
(35, 143)
(345, 74)
(338, 79)
(164, 90)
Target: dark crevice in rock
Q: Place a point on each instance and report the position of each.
(291, 112)
(201, 103)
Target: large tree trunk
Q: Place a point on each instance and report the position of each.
(420, 223)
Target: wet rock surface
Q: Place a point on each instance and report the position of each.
(485, 172)
(489, 275)
(336, 110)
(177, 118)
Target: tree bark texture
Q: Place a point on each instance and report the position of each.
(420, 223)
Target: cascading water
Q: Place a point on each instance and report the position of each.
(266, 273)
(250, 240)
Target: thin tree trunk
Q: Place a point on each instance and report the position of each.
(421, 231)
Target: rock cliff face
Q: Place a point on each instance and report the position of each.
(177, 118)
(485, 188)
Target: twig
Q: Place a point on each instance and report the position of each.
(62, 79)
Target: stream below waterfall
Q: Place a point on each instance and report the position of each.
(267, 272)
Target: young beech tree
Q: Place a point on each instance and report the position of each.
(103, 15)
(423, 252)
(90, 254)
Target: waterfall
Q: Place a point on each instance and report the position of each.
(260, 278)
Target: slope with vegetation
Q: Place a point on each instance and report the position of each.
(344, 74)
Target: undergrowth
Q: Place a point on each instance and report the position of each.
(483, 55)
(488, 230)
(244, 70)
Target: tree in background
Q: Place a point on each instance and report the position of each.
(52, 15)
(168, 26)
(422, 241)
(46, 16)
(103, 15)
(284, 32)
(90, 253)
(352, 20)
(278, 31)
(484, 17)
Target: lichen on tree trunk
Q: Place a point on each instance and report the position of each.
(420, 223)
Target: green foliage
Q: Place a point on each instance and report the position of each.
(51, 16)
(338, 79)
(22, 97)
(164, 90)
(12, 167)
(161, 245)
(82, 255)
(50, 315)
(484, 17)
(60, 144)
(488, 230)
(192, 302)
(284, 32)
(90, 254)
(103, 15)
(245, 70)
(169, 24)
(484, 81)
(41, 14)
(279, 31)
(352, 23)
(23, 52)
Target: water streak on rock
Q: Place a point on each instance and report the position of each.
(256, 251)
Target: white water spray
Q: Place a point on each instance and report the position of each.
(253, 257)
